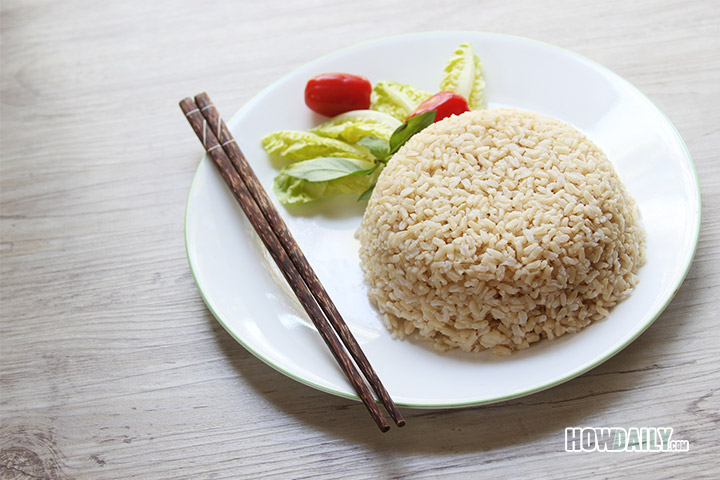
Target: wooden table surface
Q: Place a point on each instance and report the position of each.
(111, 366)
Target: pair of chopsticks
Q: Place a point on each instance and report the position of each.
(265, 219)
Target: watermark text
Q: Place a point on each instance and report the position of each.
(618, 439)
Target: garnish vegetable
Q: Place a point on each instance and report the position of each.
(463, 75)
(396, 99)
(352, 126)
(444, 103)
(369, 123)
(295, 145)
(331, 94)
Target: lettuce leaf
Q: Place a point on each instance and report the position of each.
(354, 125)
(396, 99)
(310, 180)
(463, 75)
(297, 145)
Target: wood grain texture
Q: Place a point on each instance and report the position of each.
(111, 367)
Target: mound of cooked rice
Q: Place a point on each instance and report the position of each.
(496, 228)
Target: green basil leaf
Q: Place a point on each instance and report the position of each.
(367, 193)
(323, 169)
(378, 147)
(414, 124)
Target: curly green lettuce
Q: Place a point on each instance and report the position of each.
(356, 124)
(296, 146)
(463, 75)
(396, 99)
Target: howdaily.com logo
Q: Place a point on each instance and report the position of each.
(617, 439)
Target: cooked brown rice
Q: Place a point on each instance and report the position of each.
(496, 228)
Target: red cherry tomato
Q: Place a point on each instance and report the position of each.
(446, 104)
(335, 93)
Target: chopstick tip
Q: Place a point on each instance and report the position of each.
(187, 104)
(202, 99)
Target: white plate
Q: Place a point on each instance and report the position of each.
(244, 289)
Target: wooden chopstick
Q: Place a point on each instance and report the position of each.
(232, 149)
(280, 256)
